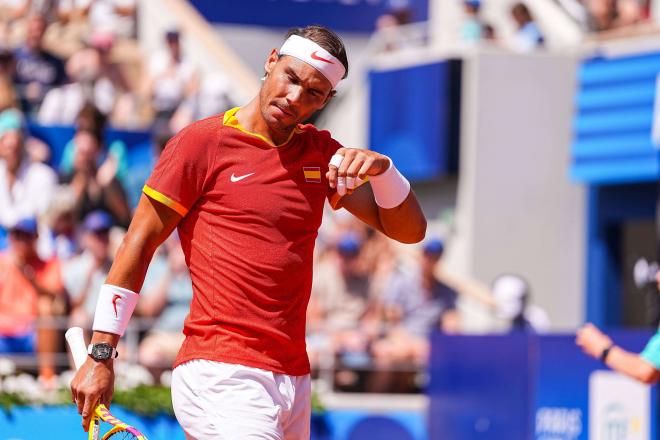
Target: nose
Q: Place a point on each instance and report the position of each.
(294, 95)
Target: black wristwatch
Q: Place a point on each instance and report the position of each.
(606, 352)
(102, 351)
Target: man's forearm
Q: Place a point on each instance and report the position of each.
(405, 223)
(630, 364)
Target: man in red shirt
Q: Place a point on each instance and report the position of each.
(246, 190)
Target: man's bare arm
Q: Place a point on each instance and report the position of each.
(405, 223)
(152, 223)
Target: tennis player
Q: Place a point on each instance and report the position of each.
(246, 190)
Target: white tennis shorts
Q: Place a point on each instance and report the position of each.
(220, 401)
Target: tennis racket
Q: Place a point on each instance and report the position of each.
(119, 430)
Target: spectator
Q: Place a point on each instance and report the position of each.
(110, 15)
(414, 304)
(84, 274)
(7, 63)
(528, 36)
(25, 187)
(601, 15)
(30, 288)
(165, 297)
(338, 313)
(211, 98)
(37, 70)
(97, 81)
(488, 33)
(172, 78)
(629, 13)
(643, 367)
(96, 187)
(512, 303)
(472, 27)
(59, 236)
(90, 118)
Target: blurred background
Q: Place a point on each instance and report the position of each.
(528, 130)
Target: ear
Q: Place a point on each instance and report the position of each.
(271, 61)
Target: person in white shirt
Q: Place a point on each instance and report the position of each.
(172, 78)
(25, 186)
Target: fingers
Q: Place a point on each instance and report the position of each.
(333, 166)
(88, 411)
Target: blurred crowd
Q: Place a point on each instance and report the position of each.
(592, 16)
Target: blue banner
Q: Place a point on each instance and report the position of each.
(339, 15)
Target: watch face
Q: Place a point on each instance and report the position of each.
(102, 351)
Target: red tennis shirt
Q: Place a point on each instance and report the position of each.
(251, 213)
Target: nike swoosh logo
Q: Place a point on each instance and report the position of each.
(239, 178)
(316, 57)
(114, 304)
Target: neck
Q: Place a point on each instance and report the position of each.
(251, 119)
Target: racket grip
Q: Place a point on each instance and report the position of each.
(76, 340)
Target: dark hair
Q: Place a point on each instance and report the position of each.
(325, 38)
(522, 10)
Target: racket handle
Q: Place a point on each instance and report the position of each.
(76, 340)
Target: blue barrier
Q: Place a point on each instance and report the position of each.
(520, 387)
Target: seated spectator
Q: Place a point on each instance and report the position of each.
(59, 226)
(338, 313)
(512, 303)
(165, 296)
(172, 79)
(96, 80)
(96, 187)
(414, 304)
(37, 70)
(472, 27)
(30, 288)
(90, 118)
(25, 186)
(528, 36)
(84, 274)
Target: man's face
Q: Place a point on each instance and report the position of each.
(97, 243)
(11, 148)
(22, 243)
(87, 150)
(35, 31)
(292, 92)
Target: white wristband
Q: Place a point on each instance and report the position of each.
(114, 309)
(390, 188)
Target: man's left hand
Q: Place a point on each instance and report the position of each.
(357, 164)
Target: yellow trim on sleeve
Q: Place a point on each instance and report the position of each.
(230, 120)
(162, 198)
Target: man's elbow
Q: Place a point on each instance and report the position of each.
(413, 234)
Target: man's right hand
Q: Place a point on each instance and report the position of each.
(93, 384)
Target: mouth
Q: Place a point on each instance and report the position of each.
(286, 112)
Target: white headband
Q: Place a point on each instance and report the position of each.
(314, 55)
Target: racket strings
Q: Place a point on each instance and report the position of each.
(121, 435)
